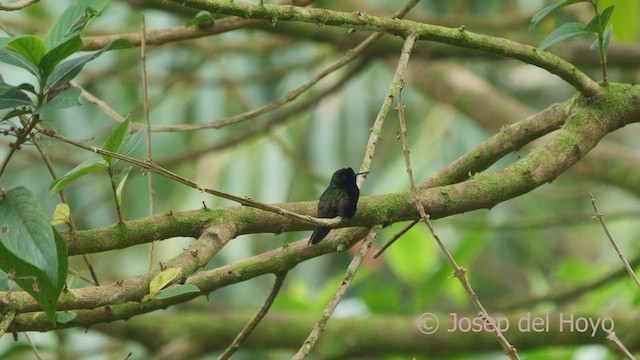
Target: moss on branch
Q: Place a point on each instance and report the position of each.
(357, 20)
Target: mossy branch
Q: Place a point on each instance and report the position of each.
(588, 121)
(459, 37)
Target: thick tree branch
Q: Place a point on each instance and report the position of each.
(134, 289)
(456, 37)
(589, 120)
(376, 336)
(582, 131)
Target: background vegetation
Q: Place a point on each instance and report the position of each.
(539, 253)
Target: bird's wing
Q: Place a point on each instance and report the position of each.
(328, 208)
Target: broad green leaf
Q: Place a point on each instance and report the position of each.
(69, 69)
(121, 180)
(11, 96)
(114, 141)
(15, 59)
(33, 281)
(30, 47)
(54, 56)
(606, 38)
(163, 279)
(64, 317)
(16, 113)
(176, 291)
(202, 18)
(27, 87)
(21, 215)
(66, 99)
(544, 12)
(564, 32)
(61, 215)
(599, 22)
(72, 21)
(130, 143)
(25, 232)
(96, 163)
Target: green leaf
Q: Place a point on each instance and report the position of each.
(25, 232)
(69, 69)
(121, 180)
(64, 317)
(21, 219)
(176, 291)
(202, 18)
(564, 32)
(114, 141)
(29, 46)
(54, 56)
(606, 38)
(163, 279)
(16, 113)
(544, 12)
(61, 215)
(66, 99)
(11, 96)
(15, 59)
(130, 143)
(72, 21)
(599, 22)
(96, 163)
(27, 87)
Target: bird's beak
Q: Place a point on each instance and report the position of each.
(362, 173)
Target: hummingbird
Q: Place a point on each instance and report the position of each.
(340, 199)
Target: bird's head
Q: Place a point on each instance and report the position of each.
(345, 177)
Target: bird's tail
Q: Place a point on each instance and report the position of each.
(318, 234)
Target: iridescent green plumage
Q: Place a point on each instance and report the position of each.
(339, 199)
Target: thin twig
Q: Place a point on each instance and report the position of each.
(99, 103)
(22, 136)
(366, 163)
(376, 129)
(600, 218)
(458, 271)
(395, 237)
(459, 37)
(151, 166)
(72, 225)
(33, 346)
(88, 280)
(255, 320)
(284, 99)
(611, 335)
(17, 5)
(272, 121)
(145, 106)
(342, 289)
(7, 319)
(565, 294)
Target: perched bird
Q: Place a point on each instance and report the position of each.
(340, 199)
